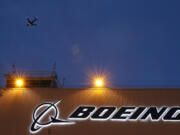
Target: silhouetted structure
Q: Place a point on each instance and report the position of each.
(46, 79)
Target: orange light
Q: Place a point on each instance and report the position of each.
(19, 82)
(99, 82)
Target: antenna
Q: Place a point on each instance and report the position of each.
(54, 75)
(54, 70)
(63, 79)
(13, 69)
(54, 66)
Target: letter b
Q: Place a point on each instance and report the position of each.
(82, 113)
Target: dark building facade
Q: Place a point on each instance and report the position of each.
(18, 108)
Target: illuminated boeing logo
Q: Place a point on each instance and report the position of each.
(102, 113)
(43, 111)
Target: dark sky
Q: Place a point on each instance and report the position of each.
(136, 41)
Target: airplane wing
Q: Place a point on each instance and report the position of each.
(28, 19)
(35, 19)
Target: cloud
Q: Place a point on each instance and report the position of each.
(76, 53)
(75, 50)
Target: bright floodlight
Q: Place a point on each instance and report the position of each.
(99, 82)
(19, 82)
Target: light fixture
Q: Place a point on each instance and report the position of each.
(19, 82)
(99, 82)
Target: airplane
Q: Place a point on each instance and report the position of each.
(31, 22)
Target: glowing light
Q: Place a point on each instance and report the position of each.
(99, 82)
(98, 78)
(19, 82)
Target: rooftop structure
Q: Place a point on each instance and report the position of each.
(30, 79)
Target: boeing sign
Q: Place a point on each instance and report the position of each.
(102, 113)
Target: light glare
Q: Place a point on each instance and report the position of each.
(19, 82)
(99, 82)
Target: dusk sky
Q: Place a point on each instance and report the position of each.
(136, 41)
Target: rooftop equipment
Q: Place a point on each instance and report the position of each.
(45, 79)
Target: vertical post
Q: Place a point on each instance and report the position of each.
(13, 69)
(63, 79)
